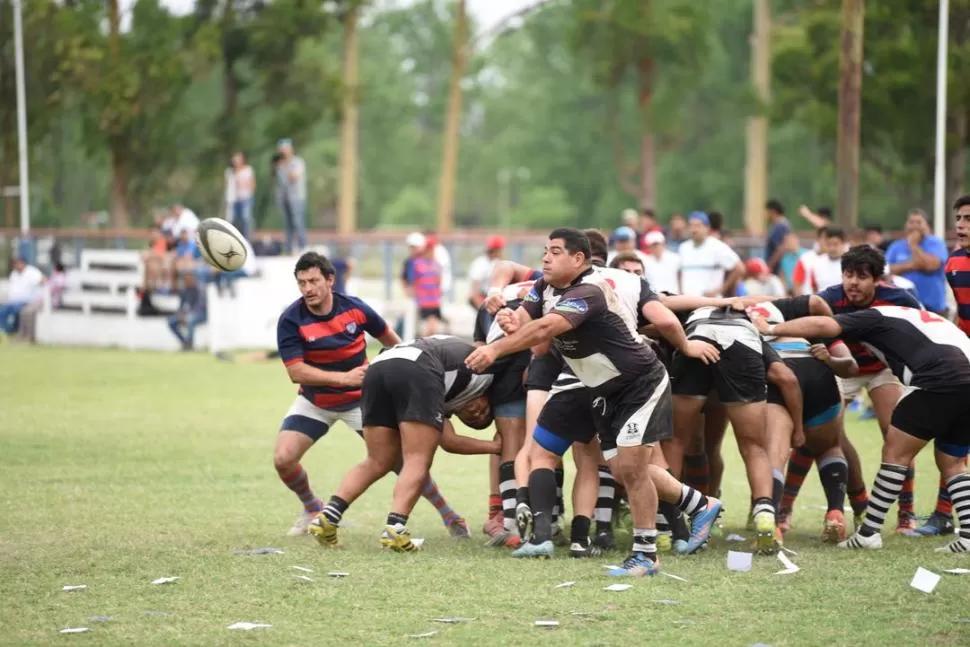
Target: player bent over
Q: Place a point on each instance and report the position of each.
(320, 339)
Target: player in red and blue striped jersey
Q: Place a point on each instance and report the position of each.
(958, 265)
(321, 341)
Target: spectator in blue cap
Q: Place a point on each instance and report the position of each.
(625, 240)
(291, 194)
(708, 266)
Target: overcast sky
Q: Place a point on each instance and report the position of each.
(486, 12)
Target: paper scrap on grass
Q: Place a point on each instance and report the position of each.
(734, 537)
(337, 574)
(924, 580)
(618, 587)
(451, 621)
(248, 626)
(667, 601)
(740, 562)
(611, 567)
(672, 576)
(547, 623)
(585, 613)
(303, 568)
(418, 541)
(304, 578)
(100, 618)
(74, 587)
(683, 623)
(564, 585)
(957, 571)
(790, 566)
(789, 551)
(427, 634)
(258, 551)
(164, 580)
(74, 630)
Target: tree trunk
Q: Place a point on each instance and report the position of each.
(449, 156)
(850, 111)
(119, 188)
(230, 91)
(648, 149)
(756, 165)
(958, 163)
(347, 207)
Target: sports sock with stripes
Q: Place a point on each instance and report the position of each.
(603, 514)
(959, 488)
(697, 472)
(799, 462)
(645, 541)
(944, 506)
(437, 499)
(859, 500)
(777, 488)
(833, 472)
(579, 530)
(560, 510)
(691, 500)
(297, 480)
(395, 518)
(335, 509)
(494, 505)
(906, 495)
(763, 504)
(542, 494)
(885, 491)
(506, 484)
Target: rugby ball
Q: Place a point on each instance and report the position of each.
(221, 244)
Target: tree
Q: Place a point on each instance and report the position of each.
(449, 156)
(850, 111)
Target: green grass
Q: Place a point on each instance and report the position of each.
(117, 468)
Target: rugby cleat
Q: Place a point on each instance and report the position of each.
(559, 538)
(833, 531)
(494, 524)
(301, 524)
(936, 525)
(701, 524)
(905, 523)
(665, 542)
(680, 546)
(579, 551)
(872, 542)
(767, 537)
(958, 545)
(636, 565)
(504, 538)
(324, 531)
(544, 550)
(458, 529)
(398, 539)
(523, 521)
(604, 539)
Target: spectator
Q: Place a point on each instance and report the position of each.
(676, 231)
(25, 287)
(760, 281)
(267, 246)
(876, 238)
(801, 278)
(661, 267)
(648, 223)
(291, 194)
(826, 269)
(426, 283)
(920, 257)
(240, 189)
(191, 312)
(625, 240)
(343, 266)
(416, 243)
(58, 284)
(780, 227)
(631, 219)
(481, 269)
(717, 224)
(185, 221)
(708, 267)
(443, 258)
(821, 217)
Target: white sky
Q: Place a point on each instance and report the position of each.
(486, 12)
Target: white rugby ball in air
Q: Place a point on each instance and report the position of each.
(221, 244)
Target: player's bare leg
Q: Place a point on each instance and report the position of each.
(289, 450)
(748, 421)
(629, 466)
(715, 427)
(686, 410)
(418, 445)
(780, 427)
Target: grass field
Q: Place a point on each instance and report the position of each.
(118, 468)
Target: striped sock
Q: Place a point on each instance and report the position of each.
(560, 508)
(697, 472)
(906, 496)
(799, 463)
(506, 484)
(298, 481)
(944, 506)
(691, 500)
(435, 498)
(494, 505)
(833, 472)
(603, 514)
(859, 500)
(959, 487)
(335, 509)
(885, 491)
(645, 541)
(764, 504)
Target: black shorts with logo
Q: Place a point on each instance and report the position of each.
(400, 390)
(543, 371)
(820, 391)
(738, 378)
(639, 414)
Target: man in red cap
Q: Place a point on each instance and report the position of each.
(481, 269)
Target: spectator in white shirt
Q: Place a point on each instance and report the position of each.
(661, 266)
(708, 266)
(240, 189)
(826, 266)
(760, 281)
(625, 240)
(185, 220)
(25, 287)
(481, 269)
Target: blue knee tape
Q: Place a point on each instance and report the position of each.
(956, 451)
(550, 441)
(828, 415)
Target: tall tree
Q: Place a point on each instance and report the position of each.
(848, 139)
(449, 155)
(347, 217)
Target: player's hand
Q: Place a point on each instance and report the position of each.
(820, 352)
(481, 358)
(354, 377)
(494, 303)
(798, 436)
(507, 321)
(737, 303)
(707, 353)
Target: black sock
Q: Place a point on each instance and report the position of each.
(885, 491)
(833, 472)
(395, 518)
(777, 489)
(335, 509)
(579, 533)
(663, 528)
(678, 527)
(560, 508)
(522, 495)
(542, 493)
(506, 485)
(604, 503)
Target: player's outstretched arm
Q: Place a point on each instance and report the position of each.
(686, 302)
(806, 327)
(668, 325)
(454, 443)
(389, 338)
(531, 334)
(838, 358)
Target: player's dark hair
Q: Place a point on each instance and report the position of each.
(962, 201)
(574, 240)
(821, 232)
(776, 206)
(481, 425)
(717, 220)
(834, 232)
(598, 247)
(310, 260)
(626, 257)
(864, 259)
(873, 228)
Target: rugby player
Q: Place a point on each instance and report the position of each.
(320, 339)
(409, 392)
(931, 356)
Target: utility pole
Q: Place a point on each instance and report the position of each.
(449, 157)
(850, 112)
(347, 201)
(756, 165)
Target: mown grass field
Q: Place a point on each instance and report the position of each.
(118, 468)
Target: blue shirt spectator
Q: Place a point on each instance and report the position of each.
(776, 235)
(921, 258)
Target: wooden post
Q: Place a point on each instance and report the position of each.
(850, 112)
(449, 157)
(756, 164)
(347, 206)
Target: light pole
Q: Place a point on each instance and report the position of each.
(939, 181)
(18, 37)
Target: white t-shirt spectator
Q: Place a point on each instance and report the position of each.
(702, 267)
(662, 272)
(244, 181)
(186, 221)
(826, 272)
(26, 285)
(481, 270)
